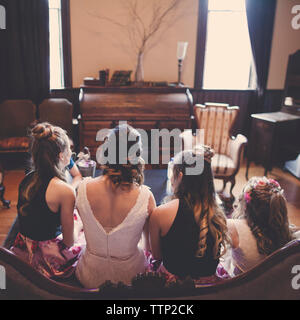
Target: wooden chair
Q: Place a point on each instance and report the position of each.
(16, 117)
(58, 112)
(217, 121)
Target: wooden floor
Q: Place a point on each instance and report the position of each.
(290, 184)
(7, 216)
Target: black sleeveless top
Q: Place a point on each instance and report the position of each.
(39, 222)
(180, 244)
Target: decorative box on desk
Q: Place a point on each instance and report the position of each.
(143, 108)
(274, 139)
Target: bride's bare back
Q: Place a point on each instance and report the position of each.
(110, 205)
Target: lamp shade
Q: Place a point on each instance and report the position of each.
(181, 50)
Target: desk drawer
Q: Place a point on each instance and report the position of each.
(262, 132)
(261, 141)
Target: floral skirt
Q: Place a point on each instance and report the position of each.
(52, 257)
(158, 267)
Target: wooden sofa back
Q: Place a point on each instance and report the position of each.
(277, 277)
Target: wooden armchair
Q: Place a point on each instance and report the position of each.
(217, 121)
(58, 112)
(15, 118)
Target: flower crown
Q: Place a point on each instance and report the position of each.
(273, 184)
(206, 151)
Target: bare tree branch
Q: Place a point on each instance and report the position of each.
(141, 27)
(108, 19)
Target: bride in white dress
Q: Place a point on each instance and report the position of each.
(115, 209)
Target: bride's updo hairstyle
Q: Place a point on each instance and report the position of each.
(123, 172)
(47, 142)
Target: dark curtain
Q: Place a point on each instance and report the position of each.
(66, 39)
(260, 15)
(24, 57)
(201, 43)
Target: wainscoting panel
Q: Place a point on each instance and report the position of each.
(273, 100)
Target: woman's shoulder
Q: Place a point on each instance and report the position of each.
(92, 185)
(166, 208)
(237, 224)
(147, 190)
(86, 180)
(233, 233)
(61, 188)
(240, 221)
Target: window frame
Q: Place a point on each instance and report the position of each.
(201, 50)
(66, 45)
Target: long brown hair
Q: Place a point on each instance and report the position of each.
(263, 205)
(199, 193)
(125, 174)
(47, 142)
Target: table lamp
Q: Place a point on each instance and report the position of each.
(181, 52)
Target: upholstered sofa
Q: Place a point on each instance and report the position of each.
(277, 277)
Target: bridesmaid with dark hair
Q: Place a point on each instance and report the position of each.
(46, 206)
(189, 233)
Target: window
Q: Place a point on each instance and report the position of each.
(228, 55)
(56, 47)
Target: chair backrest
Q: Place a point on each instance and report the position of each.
(58, 112)
(217, 120)
(15, 117)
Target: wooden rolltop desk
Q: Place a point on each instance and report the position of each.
(142, 108)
